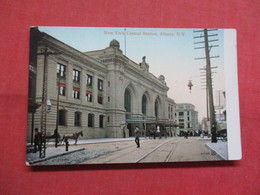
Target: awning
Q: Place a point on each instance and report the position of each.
(163, 122)
(139, 121)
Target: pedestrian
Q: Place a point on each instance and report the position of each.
(186, 134)
(137, 135)
(37, 140)
(158, 132)
(124, 130)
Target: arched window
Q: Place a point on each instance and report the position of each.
(156, 108)
(128, 103)
(77, 119)
(90, 120)
(144, 105)
(62, 117)
(101, 121)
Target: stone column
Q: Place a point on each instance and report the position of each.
(83, 86)
(95, 89)
(69, 81)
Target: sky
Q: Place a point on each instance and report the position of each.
(169, 52)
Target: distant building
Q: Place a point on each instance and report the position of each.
(187, 118)
(99, 91)
(220, 105)
(205, 124)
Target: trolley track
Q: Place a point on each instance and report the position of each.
(158, 150)
(161, 153)
(132, 154)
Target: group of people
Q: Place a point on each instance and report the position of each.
(186, 134)
(138, 133)
(38, 139)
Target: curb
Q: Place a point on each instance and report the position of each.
(30, 162)
(215, 152)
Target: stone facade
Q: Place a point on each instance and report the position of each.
(99, 91)
(186, 118)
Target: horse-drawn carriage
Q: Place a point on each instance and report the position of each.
(152, 133)
(65, 137)
(222, 135)
(74, 136)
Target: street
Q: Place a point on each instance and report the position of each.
(124, 150)
(173, 149)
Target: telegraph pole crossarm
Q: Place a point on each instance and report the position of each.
(205, 41)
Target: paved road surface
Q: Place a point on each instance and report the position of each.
(174, 149)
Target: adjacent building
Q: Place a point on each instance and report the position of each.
(98, 92)
(187, 118)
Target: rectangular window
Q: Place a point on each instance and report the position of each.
(76, 75)
(76, 93)
(181, 113)
(89, 80)
(100, 99)
(100, 85)
(62, 91)
(61, 88)
(61, 70)
(181, 126)
(89, 96)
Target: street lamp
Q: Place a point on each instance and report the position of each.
(48, 105)
(190, 85)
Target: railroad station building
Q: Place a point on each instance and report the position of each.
(98, 92)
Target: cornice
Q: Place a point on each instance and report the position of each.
(70, 52)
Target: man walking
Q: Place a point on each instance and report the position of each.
(137, 135)
(37, 140)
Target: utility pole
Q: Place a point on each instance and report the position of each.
(209, 89)
(57, 115)
(42, 147)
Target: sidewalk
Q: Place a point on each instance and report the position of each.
(220, 148)
(52, 152)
